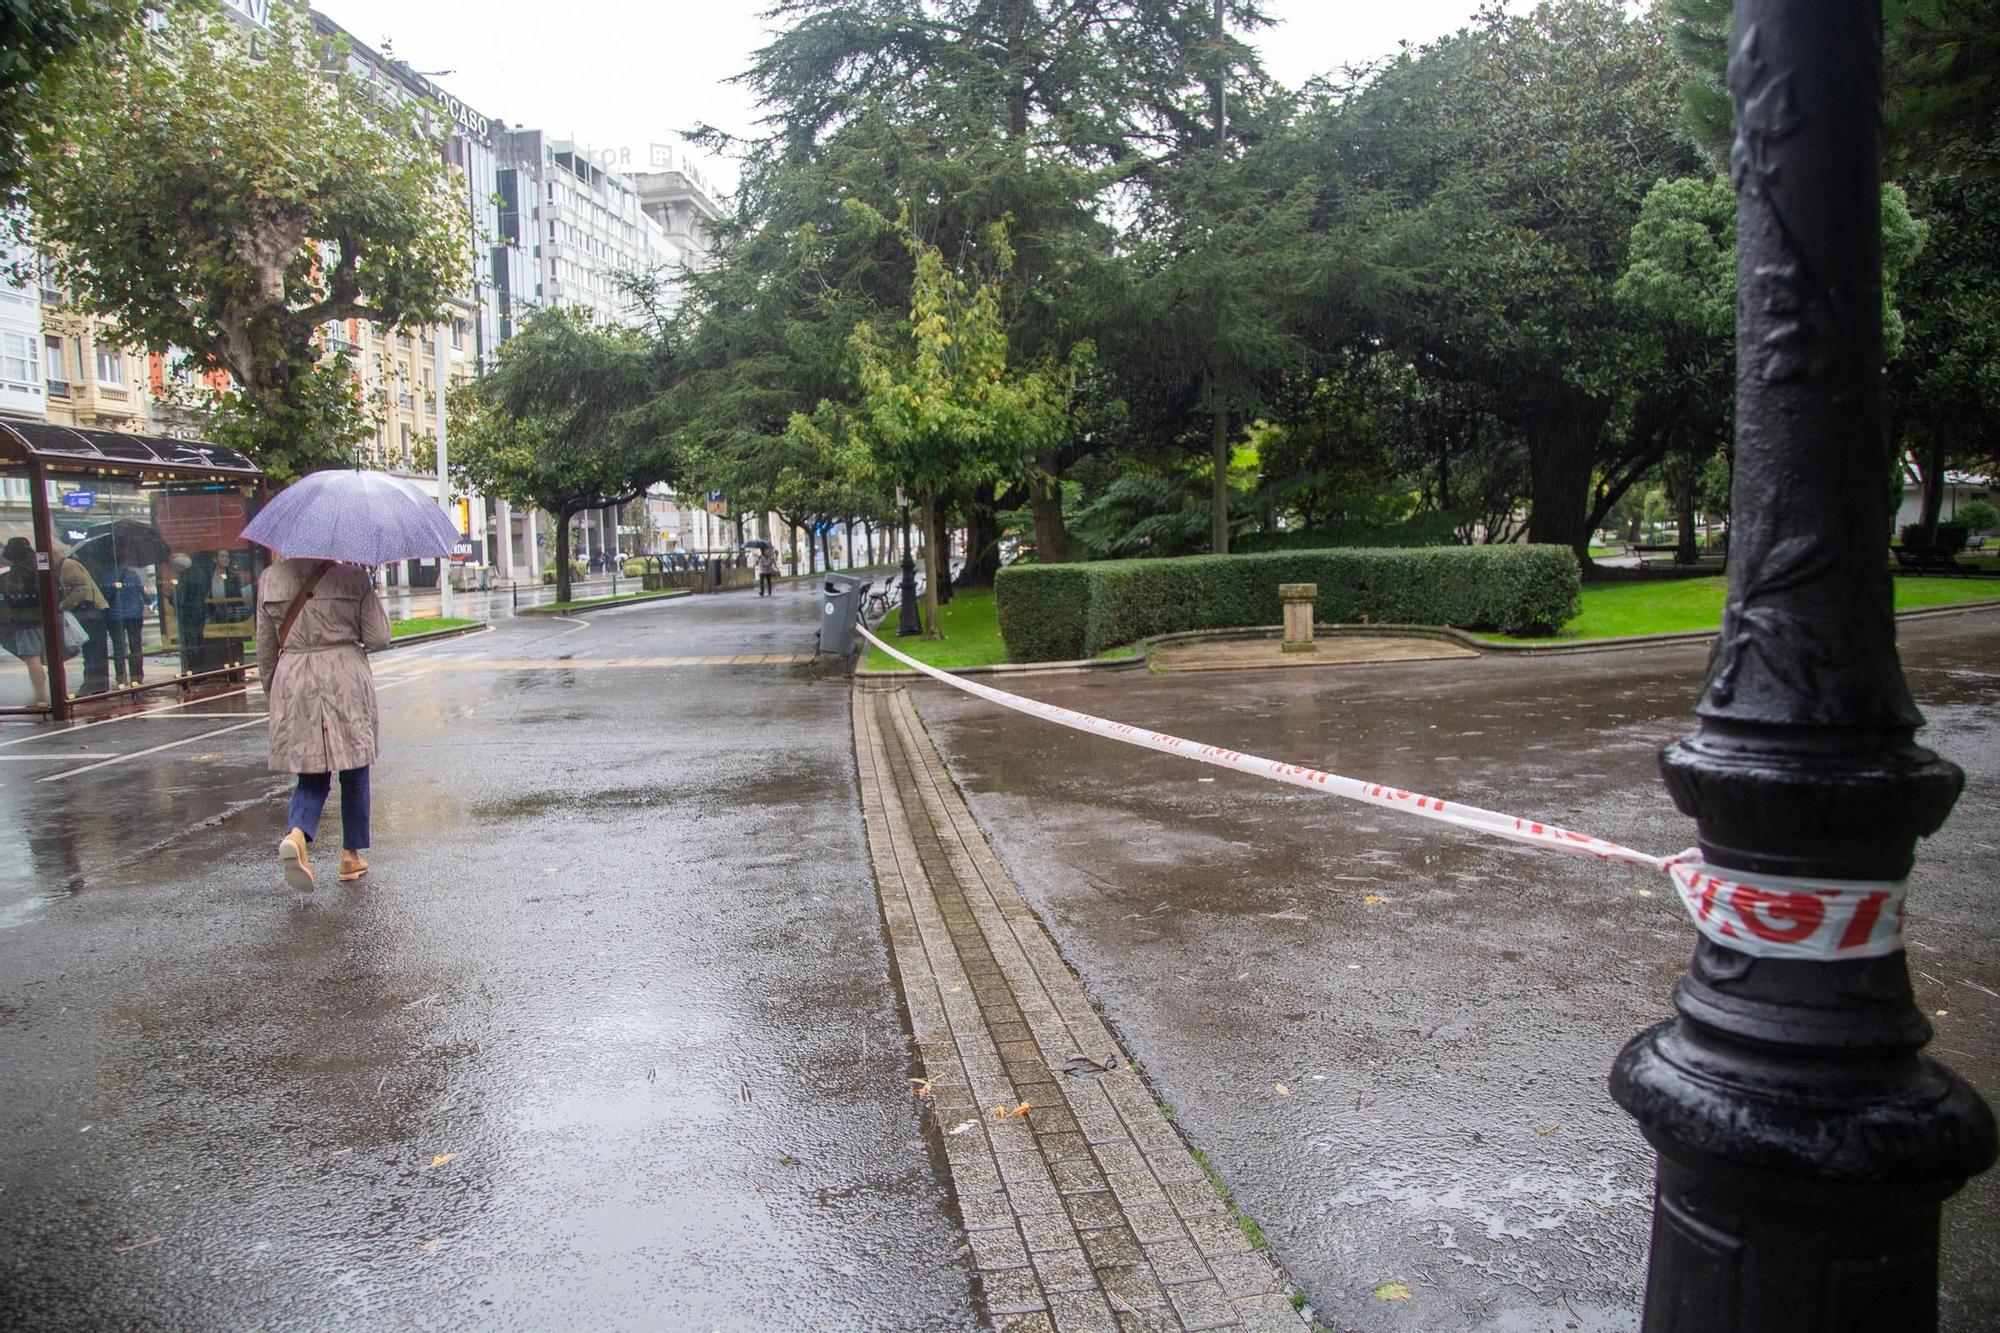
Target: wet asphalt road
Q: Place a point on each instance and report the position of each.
(607, 1038)
(1442, 1011)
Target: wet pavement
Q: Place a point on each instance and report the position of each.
(1392, 1040)
(606, 1039)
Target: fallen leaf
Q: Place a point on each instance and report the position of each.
(786, 1159)
(1002, 1113)
(1550, 1130)
(440, 1160)
(429, 1246)
(1393, 1291)
(1281, 1090)
(1374, 899)
(920, 1088)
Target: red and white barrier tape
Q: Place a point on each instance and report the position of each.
(1768, 916)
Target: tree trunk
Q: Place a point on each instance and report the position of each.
(1933, 489)
(826, 548)
(982, 540)
(1685, 550)
(562, 554)
(937, 567)
(850, 543)
(793, 529)
(1218, 523)
(1051, 537)
(937, 536)
(1559, 468)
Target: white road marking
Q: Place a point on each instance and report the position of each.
(155, 749)
(48, 758)
(162, 710)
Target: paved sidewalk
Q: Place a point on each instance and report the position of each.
(1086, 1211)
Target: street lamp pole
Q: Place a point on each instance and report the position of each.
(909, 620)
(1805, 1145)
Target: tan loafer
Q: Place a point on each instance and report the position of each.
(352, 867)
(296, 862)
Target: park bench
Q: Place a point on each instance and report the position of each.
(1927, 560)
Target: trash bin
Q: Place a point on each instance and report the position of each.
(840, 609)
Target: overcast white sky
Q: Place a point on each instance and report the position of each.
(630, 73)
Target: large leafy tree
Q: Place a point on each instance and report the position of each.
(1504, 167)
(41, 43)
(964, 112)
(939, 405)
(559, 421)
(226, 205)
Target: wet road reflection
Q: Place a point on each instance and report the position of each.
(1441, 1012)
(605, 1039)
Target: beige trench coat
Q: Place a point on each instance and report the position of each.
(322, 694)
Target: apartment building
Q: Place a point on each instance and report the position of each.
(23, 346)
(91, 381)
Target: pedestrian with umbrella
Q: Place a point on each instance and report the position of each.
(318, 617)
(767, 564)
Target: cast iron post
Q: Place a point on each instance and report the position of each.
(909, 620)
(1805, 1145)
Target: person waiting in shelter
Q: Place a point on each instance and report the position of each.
(125, 594)
(21, 616)
(79, 594)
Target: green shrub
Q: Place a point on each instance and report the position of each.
(1951, 537)
(1059, 612)
(634, 567)
(1978, 516)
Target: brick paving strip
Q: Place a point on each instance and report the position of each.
(1088, 1212)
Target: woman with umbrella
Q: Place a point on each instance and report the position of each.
(317, 619)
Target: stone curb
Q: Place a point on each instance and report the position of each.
(1082, 1205)
(604, 606)
(437, 635)
(1142, 653)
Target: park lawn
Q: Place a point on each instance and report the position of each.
(1610, 610)
(584, 604)
(971, 636)
(1615, 610)
(401, 629)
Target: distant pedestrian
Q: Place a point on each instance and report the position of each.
(316, 621)
(21, 615)
(767, 570)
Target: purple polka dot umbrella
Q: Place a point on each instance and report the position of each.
(363, 518)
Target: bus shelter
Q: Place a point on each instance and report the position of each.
(124, 571)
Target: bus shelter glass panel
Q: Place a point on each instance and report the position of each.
(24, 675)
(156, 571)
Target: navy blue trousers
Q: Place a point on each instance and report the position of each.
(309, 802)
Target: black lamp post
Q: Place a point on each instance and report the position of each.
(1805, 1145)
(908, 620)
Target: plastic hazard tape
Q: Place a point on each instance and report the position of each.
(1767, 916)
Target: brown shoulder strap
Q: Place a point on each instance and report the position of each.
(299, 601)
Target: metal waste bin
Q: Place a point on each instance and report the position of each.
(841, 607)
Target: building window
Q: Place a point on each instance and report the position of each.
(52, 356)
(20, 362)
(110, 368)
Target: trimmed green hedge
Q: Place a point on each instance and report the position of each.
(1051, 613)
